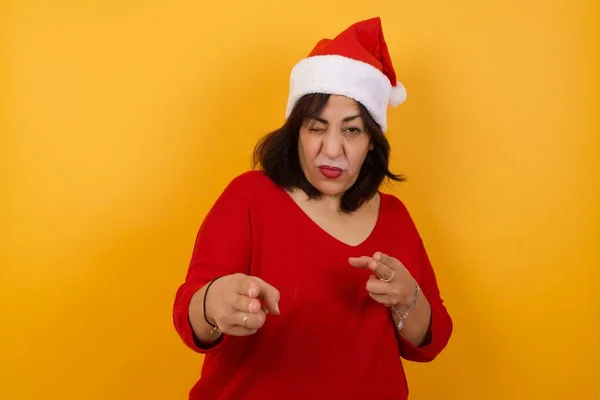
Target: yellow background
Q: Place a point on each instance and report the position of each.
(123, 120)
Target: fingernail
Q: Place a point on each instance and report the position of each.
(252, 292)
(377, 256)
(277, 308)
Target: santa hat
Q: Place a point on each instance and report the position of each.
(355, 64)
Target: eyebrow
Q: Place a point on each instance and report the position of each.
(347, 119)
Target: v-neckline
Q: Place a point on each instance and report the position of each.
(303, 215)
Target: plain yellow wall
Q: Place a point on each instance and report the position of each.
(123, 120)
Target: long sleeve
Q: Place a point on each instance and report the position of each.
(441, 325)
(222, 247)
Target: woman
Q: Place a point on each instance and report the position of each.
(305, 279)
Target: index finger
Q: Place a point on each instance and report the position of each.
(379, 268)
(255, 288)
(269, 294)
(392, 262)
(251, 289)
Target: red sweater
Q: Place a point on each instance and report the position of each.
(331, 340)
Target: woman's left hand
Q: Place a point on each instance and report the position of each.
(391, 284)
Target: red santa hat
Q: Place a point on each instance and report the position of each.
(356, 64)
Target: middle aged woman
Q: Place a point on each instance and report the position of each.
(307, 281)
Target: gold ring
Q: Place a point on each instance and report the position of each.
(245, 319)
(388, 279)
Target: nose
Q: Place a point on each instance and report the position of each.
(333, 145)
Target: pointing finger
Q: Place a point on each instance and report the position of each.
(269, 294)
(381, 270)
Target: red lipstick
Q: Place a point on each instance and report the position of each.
(330, 172)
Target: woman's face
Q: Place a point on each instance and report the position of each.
(333, 146)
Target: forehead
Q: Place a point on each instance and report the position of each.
(337, 108)
(338, 104)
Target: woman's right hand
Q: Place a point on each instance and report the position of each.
(233, 304)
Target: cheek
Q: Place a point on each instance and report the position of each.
(356, 156)
(308, 148)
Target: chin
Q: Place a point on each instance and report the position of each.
(330, 187)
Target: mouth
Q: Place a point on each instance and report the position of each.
(330, 172)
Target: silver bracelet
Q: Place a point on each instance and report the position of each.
(403, 316)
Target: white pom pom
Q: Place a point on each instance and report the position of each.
(398, 95)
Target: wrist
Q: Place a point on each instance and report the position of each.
(208, 318)
(403, 310)
(207, 303)
(202, 332)
(410, 298)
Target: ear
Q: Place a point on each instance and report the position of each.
(371, 146)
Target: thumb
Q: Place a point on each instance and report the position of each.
(361, 262)
(269, 294)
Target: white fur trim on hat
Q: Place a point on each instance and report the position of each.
(335, 74)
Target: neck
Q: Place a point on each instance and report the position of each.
(330, 203)
(324, 203)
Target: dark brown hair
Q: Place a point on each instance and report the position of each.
(277, 155)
